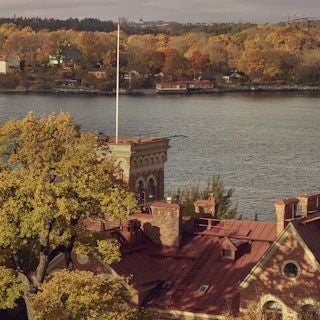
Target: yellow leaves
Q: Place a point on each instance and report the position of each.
(109, 250)
(52, 177)
(11, 288)
(81, 295)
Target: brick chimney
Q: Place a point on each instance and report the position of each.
(132, 232)
(309, 203)
(166, 224)
(206, 207)
(286, 210)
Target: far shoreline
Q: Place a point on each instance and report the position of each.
(252, 89)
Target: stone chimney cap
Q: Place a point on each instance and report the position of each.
(205, 202)
(308, 195)
(286, 201)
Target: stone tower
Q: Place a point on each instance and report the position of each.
(142, 161)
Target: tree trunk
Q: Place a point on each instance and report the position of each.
(28, 302)
(28, 289)
(41, 269)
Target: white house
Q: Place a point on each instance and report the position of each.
(9, 61)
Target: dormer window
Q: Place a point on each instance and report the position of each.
(226, 253)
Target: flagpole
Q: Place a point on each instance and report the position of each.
(117, 86)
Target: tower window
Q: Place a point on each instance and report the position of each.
(140, 192)
(151, 188)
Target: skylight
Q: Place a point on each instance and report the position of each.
(166, 284)
(204, 288)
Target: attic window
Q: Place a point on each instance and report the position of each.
(204, 288)
(226, 253)
(166, 284)
(290, 269)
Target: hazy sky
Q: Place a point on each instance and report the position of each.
(179, 10)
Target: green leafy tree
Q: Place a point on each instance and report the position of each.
(215, 187)
(52, 176)
(73, 295)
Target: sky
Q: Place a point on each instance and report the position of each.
(168, 10)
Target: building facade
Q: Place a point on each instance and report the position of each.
(142, 161)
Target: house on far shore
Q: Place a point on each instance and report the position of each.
(185, 86)
(68, 57)
(9, 61)
(235, 77)
(98, 73)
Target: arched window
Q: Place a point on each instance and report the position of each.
(308, 312)
(140, 192)
(151, 188)
(272, 310)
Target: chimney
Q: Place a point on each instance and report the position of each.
(206, 207)
(132, 232)
(309, 203)
(286, 210)
(166, 224)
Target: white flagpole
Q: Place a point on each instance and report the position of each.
(117, 88)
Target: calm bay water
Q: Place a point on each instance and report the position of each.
(265, 146)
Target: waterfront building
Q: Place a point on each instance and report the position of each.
(9, 61)
(142, 161)
(185, 86)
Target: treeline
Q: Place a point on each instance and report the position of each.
(268, 53)
(129, 27)
(37, 24)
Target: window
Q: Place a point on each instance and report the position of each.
(226, 253)
(166, 284)
(290, 270)
(140, 192)
(308, 312)
(151, 188)
(204, 288)
(272, 310)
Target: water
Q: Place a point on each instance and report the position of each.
(266, 146)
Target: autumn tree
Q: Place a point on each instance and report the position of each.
(74, 295)
(199, 61)
(175, 65)
(51, 177)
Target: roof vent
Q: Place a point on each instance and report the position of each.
(204, 288)
(166, 284)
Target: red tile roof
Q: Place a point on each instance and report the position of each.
(3, 56)
(197, 262)
(135, 139)
(188, 81)
(309, 230)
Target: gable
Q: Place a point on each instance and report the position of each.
(289, 246)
